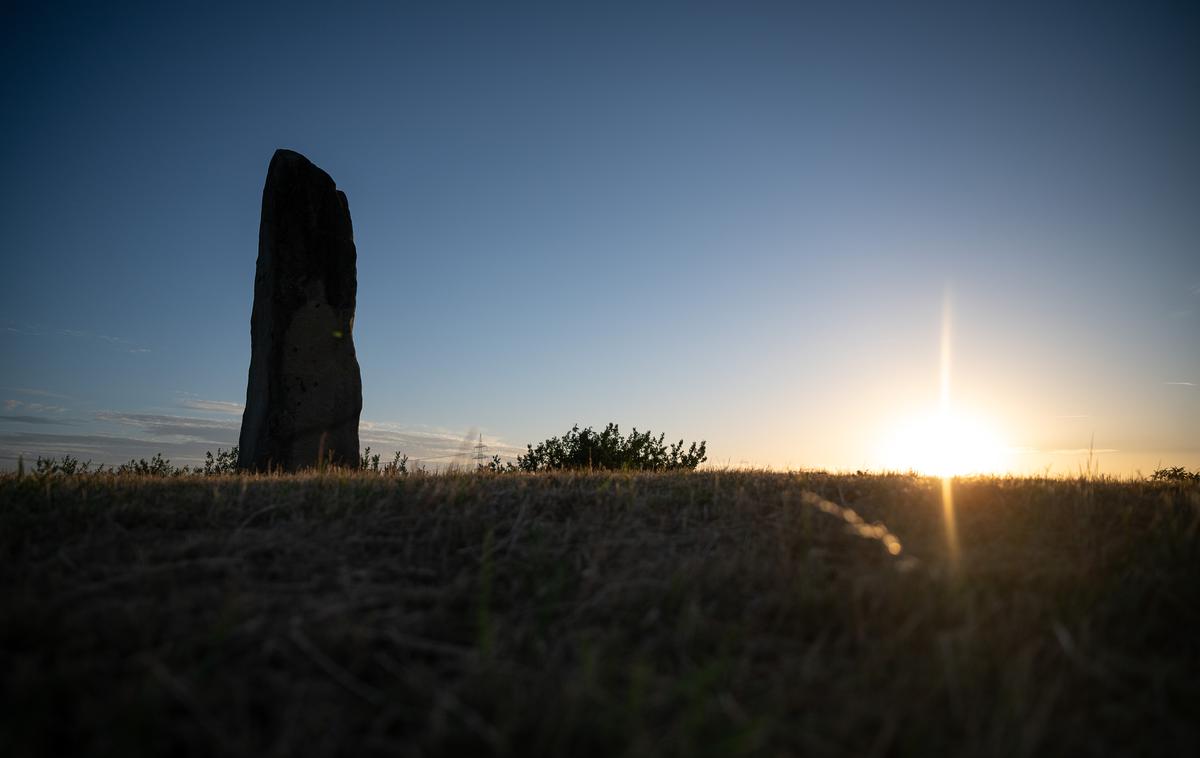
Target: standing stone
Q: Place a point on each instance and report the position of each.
(305, 392)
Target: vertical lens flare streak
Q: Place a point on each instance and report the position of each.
(945, 440)
(948, 515)
(944, 395)
(949, 519)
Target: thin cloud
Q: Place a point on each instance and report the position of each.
(10, 405)
(36, 392)
(103, 337)
(184, 440)
(1180, 384)
(34, 420)
(415, 442)
(39, 331)
(215, 406)
(213, 431)
(99, 448)
(430, 444)
(39, 408)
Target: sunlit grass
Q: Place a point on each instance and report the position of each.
(717, 612)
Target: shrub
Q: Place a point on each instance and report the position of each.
(368, 462)
(156, 466)
(1175, 474)
(587, 448)
(68, 465)
(398, 466)
(225, 461)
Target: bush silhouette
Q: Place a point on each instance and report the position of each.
(586, 448)
(1175, 474)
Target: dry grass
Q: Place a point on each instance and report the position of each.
(715, 613)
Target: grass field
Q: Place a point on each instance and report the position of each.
(710, 613)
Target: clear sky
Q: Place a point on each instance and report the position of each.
(742, 222)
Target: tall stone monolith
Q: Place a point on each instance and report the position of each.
(305, 392)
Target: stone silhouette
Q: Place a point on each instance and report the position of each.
(304, 395)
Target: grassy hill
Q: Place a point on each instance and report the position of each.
(709, 613)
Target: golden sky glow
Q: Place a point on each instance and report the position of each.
(946, 441)
(946, 444)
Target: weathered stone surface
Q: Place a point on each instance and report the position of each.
(304, 395)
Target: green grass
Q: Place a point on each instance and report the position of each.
(710, 613)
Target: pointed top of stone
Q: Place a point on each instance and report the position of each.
(284, 159)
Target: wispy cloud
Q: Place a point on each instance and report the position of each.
(1180, 384)
(213, 431)
(215, 406)
(34, 420)
(431, 444)
(1084, 451)
(40, 331)
(11, 405)
(36, 392)
(106, 449)
(91, 335)
(185, 439)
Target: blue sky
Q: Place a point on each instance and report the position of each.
(735, 222)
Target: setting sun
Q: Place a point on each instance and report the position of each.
(946, 444)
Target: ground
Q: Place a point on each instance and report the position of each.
(708, 613)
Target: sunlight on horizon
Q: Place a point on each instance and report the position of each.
(948, 442)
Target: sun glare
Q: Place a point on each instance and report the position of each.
(947, 444)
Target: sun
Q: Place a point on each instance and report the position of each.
(946, 444)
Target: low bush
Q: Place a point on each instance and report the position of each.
(588, 449)
(1175, 474)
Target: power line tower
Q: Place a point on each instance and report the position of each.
(480, 452)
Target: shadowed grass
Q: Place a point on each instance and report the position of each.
(710, 613)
